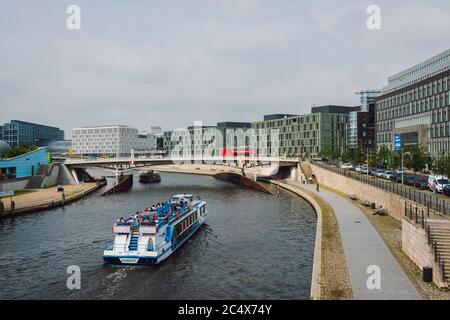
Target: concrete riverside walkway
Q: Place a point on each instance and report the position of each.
(363, 248)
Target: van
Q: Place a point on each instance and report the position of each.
(437, 183)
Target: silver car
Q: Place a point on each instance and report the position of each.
(378, 173)
(387, 175)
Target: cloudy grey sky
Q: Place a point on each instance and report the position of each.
(168, 63)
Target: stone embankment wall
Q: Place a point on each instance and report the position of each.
(394, 204)
(415, 245)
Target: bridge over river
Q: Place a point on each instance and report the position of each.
(256, 167)
(130, 162)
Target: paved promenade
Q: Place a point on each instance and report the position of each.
(45, 197)
(364, 248)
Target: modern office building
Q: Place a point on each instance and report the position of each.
(231, 142)
(414, 107)
(156, 130)
(361, 124)
(159, 137)
(17, 133)
(25, 165)
(60, 148)
(115, 140)
(277, 116)
(325, 127)
(189, 142)
(1, 132)
(203, 138)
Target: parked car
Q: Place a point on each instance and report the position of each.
(446, 190)
(437, 183)
(421, 183)
(60, 188)
(362, 169)
(397, 176)
(387, 174)
(347, 166)
(416, 181)
(409, 180)
(372, 171)
(379, 173)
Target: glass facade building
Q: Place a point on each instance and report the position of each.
(17, 133)
(415, 106)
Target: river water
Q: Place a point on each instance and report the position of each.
(254, 246)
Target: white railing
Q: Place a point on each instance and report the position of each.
(177, 160)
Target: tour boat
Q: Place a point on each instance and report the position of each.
(151, 236)
(149, 177)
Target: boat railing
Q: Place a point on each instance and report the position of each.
(161, 221)
(139, 247)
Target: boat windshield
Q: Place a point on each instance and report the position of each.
(183, 197)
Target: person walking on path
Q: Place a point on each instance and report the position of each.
(317, 187)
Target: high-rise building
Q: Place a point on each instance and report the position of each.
(1, 132)
(361, 124)
(414, 107)
(17, 133)
(116, 140)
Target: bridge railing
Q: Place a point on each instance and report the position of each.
(177, 160)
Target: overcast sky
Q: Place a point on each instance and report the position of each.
(168, 63)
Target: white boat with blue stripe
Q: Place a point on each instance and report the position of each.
(151, 236)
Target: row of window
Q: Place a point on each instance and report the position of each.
(184, 225)
(421, 92)
(424, 105)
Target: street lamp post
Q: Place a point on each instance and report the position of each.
(402, 169)
(367, 162)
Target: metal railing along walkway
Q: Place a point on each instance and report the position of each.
(425, 198)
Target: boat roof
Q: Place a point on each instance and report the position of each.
(182, 195)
